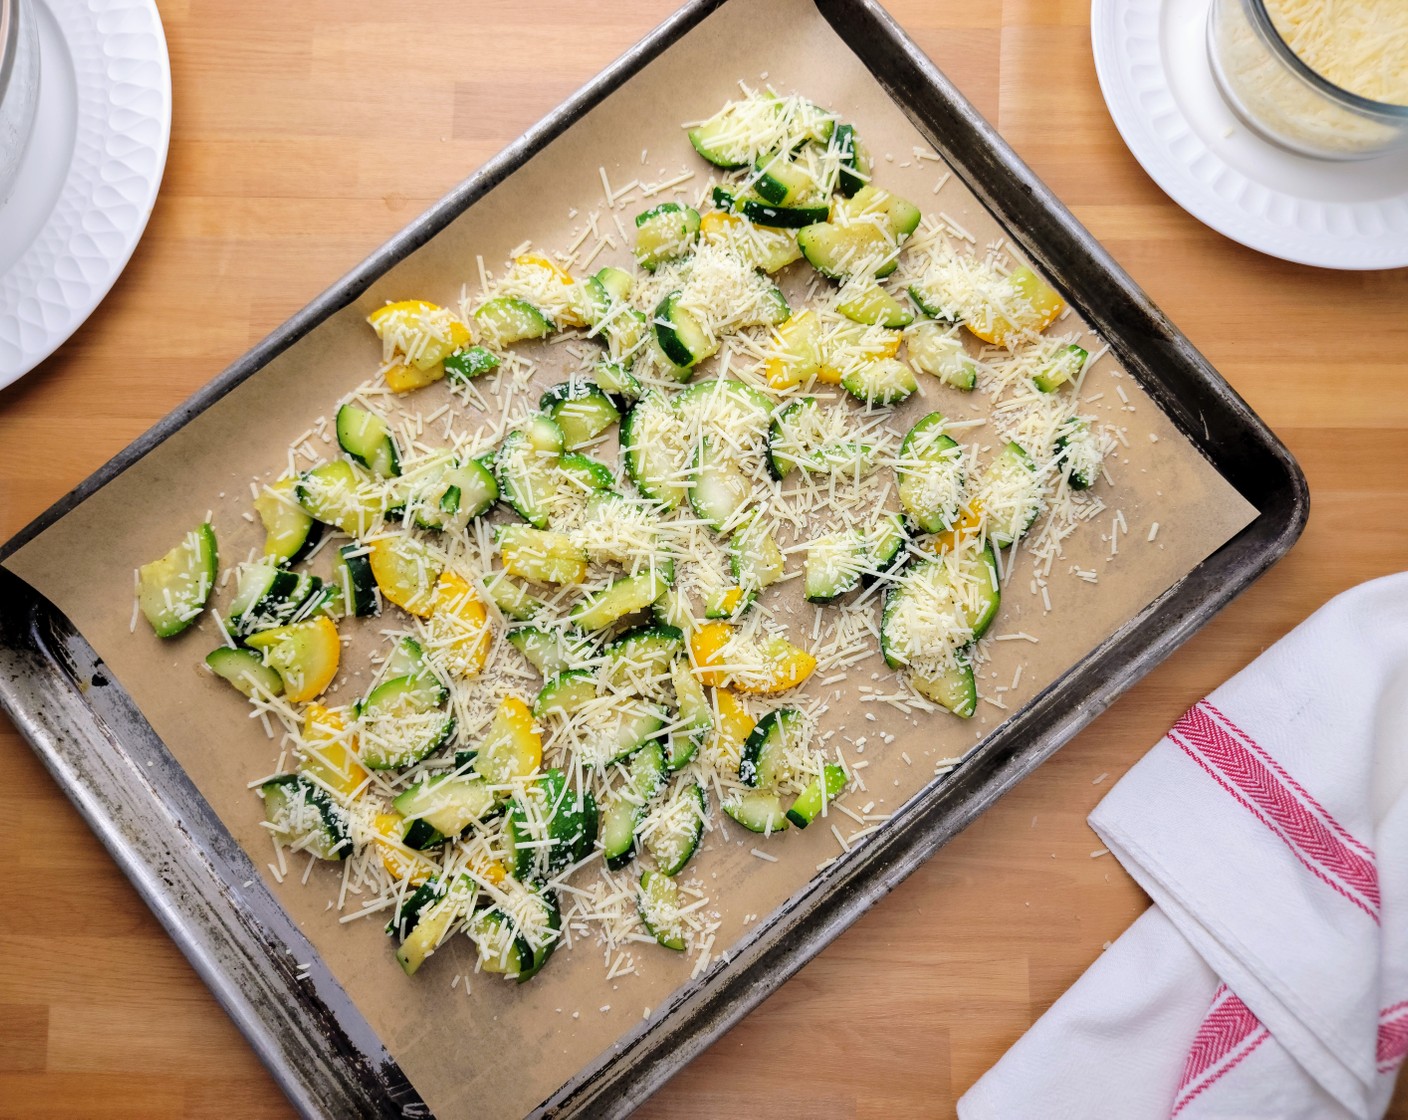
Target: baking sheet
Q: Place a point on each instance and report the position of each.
(452, 1046)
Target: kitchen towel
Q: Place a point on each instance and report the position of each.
(1270, 827)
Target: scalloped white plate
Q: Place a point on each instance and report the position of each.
(1151, 59)
(89, 178)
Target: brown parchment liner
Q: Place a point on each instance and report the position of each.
(504, 1048)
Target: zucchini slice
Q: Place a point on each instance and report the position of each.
(659, 906)
(550, 826)
(814, 799)
(551, 652)
(455, 497)
(1078, 454)
(506, 320)
(443, 807)
(682, 337)
(470, 363)
(305, 655)
(582, 472)
(874, 306)
(624, 597)
(728, 602)
(695, 715)
(840, 252)
(626, 809)
(650, 434)
(517, 947)
(763, 213)
(581, 410)
(367, 438)
(753, 555)
(526, 469)
(758, 810)
(417, 903)
(718, 489)
(425, 920)
(289, 533)
(930, 477)
(340, 495)
(671, 832)
(781, 180)
(643, 654)
(764, 761)
(246, 670)
(173, 591)
(566, 694)
(265, 596)
(305, 817)
(984, 590)
(788, 446)
(886, 540)
(1063, 365)
(855, 160)
(542, 556)
(728, 402)
(402, 721)
(649, 772)
(930, 619)
(1010, 490)
(664, 233)
(884, 381)
(511, 598)
(407, 659)
(618, 831)
(834, 565)
(901, 216)
(952, 687)
(743, 130)
(616, 380)
(936, 349)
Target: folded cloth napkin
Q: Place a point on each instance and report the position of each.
(1270, 827)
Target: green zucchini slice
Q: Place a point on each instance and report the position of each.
(173, 591)
(367, 438)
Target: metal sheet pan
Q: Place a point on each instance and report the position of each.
(207, 894)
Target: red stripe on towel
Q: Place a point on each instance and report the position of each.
(1215, 776)
(1305, 796)
(1277, 805)
(1393, 1037)
(1227, 1034)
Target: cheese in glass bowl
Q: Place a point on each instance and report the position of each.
(1324, 78)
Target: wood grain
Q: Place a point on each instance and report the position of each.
(307, 133)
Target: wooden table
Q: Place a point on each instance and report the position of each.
(307, 133)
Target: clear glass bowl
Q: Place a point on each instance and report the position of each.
(1278, 96)
(19, 86)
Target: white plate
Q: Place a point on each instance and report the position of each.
(1151, 58)
(90, 175)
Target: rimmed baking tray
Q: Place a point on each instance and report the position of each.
(207, 893)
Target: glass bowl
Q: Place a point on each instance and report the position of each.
(1277, 95)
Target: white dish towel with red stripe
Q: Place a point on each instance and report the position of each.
(1270, 827)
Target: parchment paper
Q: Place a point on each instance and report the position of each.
(502, 1049)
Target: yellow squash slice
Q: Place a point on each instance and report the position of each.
(305, 655)
(329, 751)
(407, 572)
(459, 626)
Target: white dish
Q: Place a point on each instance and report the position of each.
(1151, 59)
(90, 175)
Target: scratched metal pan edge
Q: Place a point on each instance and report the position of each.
(317, 1045)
